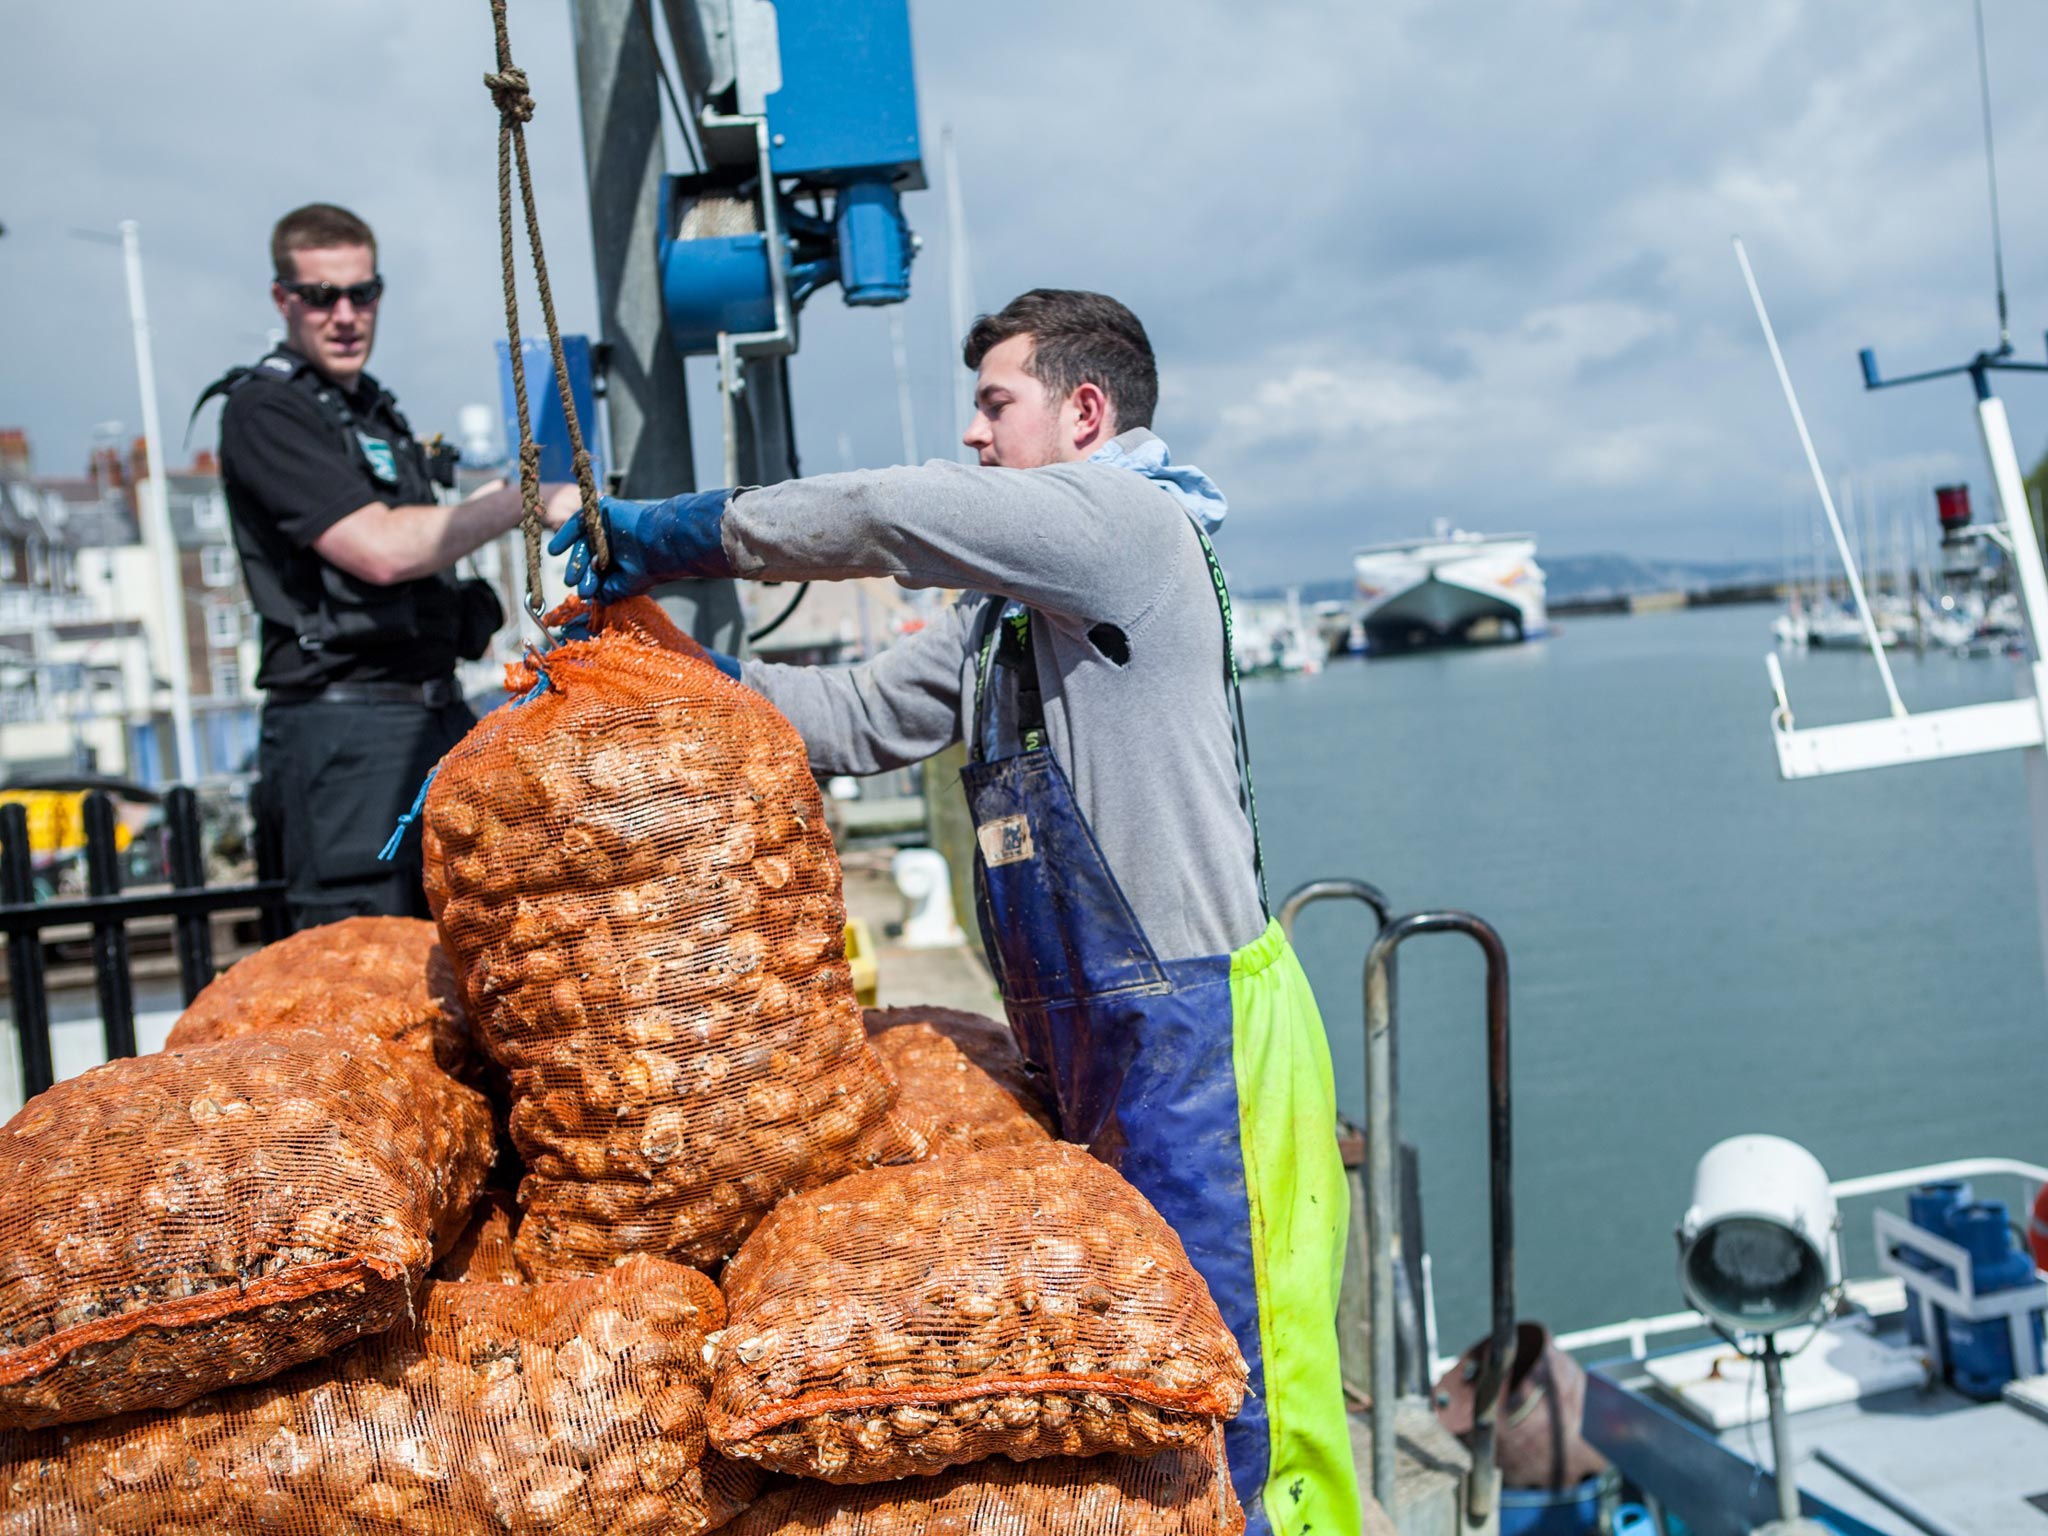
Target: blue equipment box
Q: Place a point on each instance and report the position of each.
(847, 109)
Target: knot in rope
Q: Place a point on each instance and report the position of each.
(510, 91)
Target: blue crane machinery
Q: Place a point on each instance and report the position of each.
(799, 119)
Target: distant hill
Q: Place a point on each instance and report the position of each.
(1574, 577)
(1581, 576)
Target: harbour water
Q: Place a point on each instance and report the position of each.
(1698, 949)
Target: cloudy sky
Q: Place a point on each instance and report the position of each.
(1408, 260)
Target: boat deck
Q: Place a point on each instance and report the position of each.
(1911, 1461)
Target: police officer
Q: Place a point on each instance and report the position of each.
(348, 557)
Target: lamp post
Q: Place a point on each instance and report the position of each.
(154, 507)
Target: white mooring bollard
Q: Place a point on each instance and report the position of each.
(926, 881)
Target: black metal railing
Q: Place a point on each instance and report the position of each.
(189, 902)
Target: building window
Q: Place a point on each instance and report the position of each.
(8, 571)
(217, 565)
(227, 677)
(210, 509)
(223, 626)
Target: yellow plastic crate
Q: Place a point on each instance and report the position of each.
(860, 958)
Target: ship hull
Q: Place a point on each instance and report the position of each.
(1461, 590)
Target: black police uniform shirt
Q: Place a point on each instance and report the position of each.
(293, 465)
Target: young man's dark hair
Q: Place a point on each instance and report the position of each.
(1077, 338)
(315, 227)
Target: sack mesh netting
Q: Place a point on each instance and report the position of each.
(375, 985)
(483, 1253)
(1020, 1301)
(384, 974)
(574, 1409)
(178, 1222)
(960, 1074)
(1176, 1493)
(632, 873)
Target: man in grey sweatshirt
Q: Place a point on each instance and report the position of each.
(1088, 667)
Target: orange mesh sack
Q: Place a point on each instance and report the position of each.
(632, 872)
(572, 1410)
(1021, 1301)
(483, 1253)
(178, 1222)
(1176, 1493)
(383, 1002)
(961, 1074)
(383, 974)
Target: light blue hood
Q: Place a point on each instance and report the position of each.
(1197, 494)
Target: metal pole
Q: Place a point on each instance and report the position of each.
(111, 972)
(156, 513)
(645, 396)
(1412, 1358)
(187, 849)
(959, 284)
(2025, 553)
(906, 410)
(25, 977)
(1498, 1364)
(1820, 481)
(1781, 1434)
(619, 92)
(1996, 431)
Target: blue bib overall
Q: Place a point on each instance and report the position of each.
(1205, 1082)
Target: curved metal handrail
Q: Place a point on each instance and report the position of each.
(1416, 1378)
(1332, 890)
(1379, 1028)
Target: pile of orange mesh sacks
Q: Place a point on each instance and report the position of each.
(216, 1310)
(257, 1284)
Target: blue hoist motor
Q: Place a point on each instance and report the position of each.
(806, 113)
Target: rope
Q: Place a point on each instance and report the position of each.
(514, 100)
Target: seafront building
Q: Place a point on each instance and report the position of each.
(83, 685)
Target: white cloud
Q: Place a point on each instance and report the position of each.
(1638, 458)
(1336, 405)
(1399, 260)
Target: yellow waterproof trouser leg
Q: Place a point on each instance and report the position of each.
(1287, 1113)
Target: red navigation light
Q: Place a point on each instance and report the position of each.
(1952, 505)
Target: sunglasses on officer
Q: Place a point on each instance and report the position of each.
(327, 295)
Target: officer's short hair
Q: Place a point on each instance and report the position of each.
(1077, 338)
(315, 227)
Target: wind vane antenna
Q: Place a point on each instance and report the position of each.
(1820, 481)
(1991, 174)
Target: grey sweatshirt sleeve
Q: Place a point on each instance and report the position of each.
(1081, 543)
(887, 713)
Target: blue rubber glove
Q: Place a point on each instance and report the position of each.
(651, 542)
(729, 665)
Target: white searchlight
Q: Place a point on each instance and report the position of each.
(1760, 1251)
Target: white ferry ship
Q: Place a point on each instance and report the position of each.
(1453, 588)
